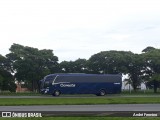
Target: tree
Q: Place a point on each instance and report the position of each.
(135, 72)
(77, 66)
(104, 62)
(6, 79)
(152, 67)
(30, 64)
(110, 62)
(128, 82)
(148, 49)
(114, 62)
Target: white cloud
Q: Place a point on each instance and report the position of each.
(79, 28)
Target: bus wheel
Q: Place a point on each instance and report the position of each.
(56, 93)
(102, 92)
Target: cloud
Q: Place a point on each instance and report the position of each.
(80, 28)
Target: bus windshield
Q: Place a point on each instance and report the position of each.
(48, 81)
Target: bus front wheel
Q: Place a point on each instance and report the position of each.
(101, 93)
(56, 93)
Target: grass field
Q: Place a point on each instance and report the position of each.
(6, 93)
(78, 101)
(138, 92)
(84, 118)
(124, 92)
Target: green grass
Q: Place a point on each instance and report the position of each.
(84, 118)
(140, 92)
(78, 101)
(19, 94)
(124, 92)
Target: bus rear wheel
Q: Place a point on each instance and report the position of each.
(56, 93)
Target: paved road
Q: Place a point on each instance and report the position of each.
(80, 96)
(111, 107)
(117, 110)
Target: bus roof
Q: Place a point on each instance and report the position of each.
(82, 74)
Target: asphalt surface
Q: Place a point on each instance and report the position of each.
(111, 107)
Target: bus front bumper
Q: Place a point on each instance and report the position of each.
(44, 91)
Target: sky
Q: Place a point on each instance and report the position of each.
(80, 28)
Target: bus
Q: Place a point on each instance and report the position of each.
(72, 83)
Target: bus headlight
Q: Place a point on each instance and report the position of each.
(46, 91)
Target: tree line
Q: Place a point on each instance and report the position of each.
(29, 65)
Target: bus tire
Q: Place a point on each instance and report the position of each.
(102, 93)
(56, 93)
